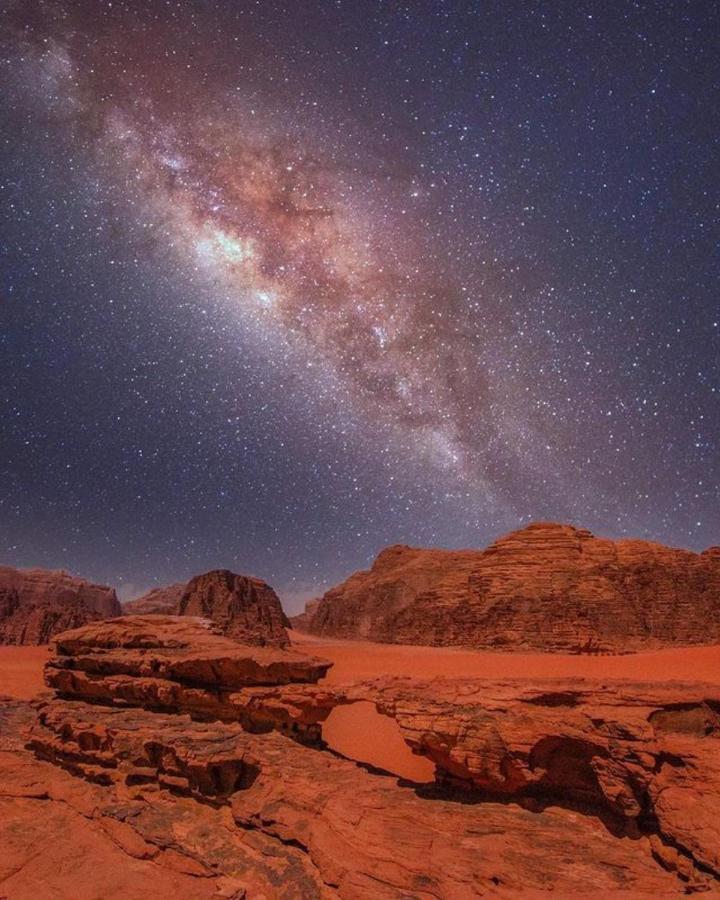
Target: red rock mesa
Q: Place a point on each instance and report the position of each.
(242, 607)
(547, 586)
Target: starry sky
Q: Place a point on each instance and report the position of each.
(283, 283)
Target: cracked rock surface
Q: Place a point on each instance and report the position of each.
(172, 762)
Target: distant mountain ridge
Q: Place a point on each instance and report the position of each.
(36, 604)
(548, 586)
(163, 600)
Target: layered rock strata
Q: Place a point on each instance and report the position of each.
(180, 664)
(321, 825)
(244, 608)
(36, 604)
(545, 587)
(643, 757)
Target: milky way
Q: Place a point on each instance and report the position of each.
(293, 240)
(456, 263)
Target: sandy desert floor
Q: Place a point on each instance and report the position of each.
(360, 733)
(21, 671)
(354, 660)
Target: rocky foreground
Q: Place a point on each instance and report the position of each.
(172, 761)
(36, 604)
(545, 587)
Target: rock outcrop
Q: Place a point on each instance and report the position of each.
(641, 756)
(244, 608)
(302, 620)
(287, 821)
(170, 743)
(545, 587)
(159, 601)
(36, 604)
(365, 604)
(177, 664)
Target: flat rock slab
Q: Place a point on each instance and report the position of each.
(335, 829)
(188, 650)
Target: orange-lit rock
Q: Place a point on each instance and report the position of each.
(243, 608)
(36, 604)
(572, 785)
(547, 586)
(172, 663)
(348, 833)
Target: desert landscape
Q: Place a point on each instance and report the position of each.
(198, 745)
(359, 449)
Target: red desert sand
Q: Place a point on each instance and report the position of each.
(21, 671)
(354, 660)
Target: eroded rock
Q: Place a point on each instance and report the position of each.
(242, 607)
(577, 786)
(547, 586)
(358, 835)
(172, 663)
(36, 604)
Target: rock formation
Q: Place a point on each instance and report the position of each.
(614, 786)
(547, 587)
(36, 604)
(302, 620)
(178, 664)
(322, 826)
(161, 600)
(244, 608)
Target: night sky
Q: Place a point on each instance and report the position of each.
(283, 283)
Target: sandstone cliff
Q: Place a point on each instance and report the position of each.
(36, 604)
(302, 620)
(244, 608)
(547, 587)
(161, 600)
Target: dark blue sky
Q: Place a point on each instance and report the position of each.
(284, 284)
